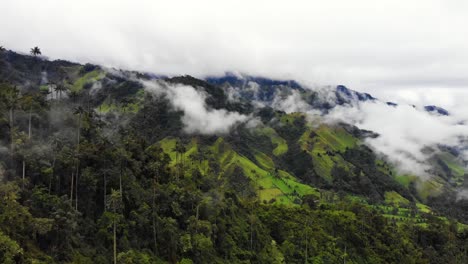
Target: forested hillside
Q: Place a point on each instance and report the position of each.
(101, 165)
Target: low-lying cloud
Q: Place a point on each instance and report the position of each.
(198, 117)
(404, 131)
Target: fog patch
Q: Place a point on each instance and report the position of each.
(404, 132)
(198, 117)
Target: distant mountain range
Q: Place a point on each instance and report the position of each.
(265, 89)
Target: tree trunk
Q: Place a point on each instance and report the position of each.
(122, 167)
(197, 216)
(306, 249)
(115, 242)
(76, 185)
(29, 138)
(251, 236)
(154, 216)
(12, 140)
(29, 121)
(24, 169)
(78, 161)
(71, 188)
(53, 174)
(105, 192)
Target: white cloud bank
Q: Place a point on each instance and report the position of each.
(198, 117)
(404, 132)
(365, 44)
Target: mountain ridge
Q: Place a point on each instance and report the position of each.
(89, 148)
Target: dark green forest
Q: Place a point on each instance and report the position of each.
(95, 168)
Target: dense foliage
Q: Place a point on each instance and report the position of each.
(87, 177)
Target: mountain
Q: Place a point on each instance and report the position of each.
(265, 89)
(155, 169)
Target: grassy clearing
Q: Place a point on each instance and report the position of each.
(458, 172)
(278, 186)
(264, 161)
(406, 180)
(325, 144)
(395, 199)
(429, 188)
(336, 138)
(423, 208)
(88, 77)
(279, 142)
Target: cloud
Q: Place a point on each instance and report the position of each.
(404, 132)
(364, 44)
(462, 194)
(291, 103)
(198, 117)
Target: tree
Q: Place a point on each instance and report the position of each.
(180, 150)
(79, 111)
(9, 250)
(74, 95)
(35, 51)
(155, 167)
(10, 99)
(55, 142)
(115, 205)
(59, 89)
(29, 103)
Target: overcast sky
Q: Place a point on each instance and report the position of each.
(394, 49)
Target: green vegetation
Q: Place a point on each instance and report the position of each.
(456, 170)
(280, 143)
(396, 199)
(89, 77)
(113, 178)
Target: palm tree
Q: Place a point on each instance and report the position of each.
(56, 142)
(59, 88)
(156, 165)
(115, 204)
(35, 51)
(11, 100)
(74, 95)
(29, 103)
(78, 111)
(180, 150)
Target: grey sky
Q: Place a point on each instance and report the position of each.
(383, 47)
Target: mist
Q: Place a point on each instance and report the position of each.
(198, 117)
(367, 45)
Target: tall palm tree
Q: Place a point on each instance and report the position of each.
(29, 103)
(156, 166)
(79, 111)
(180, 150)
(11, 100)
(59, 89)
(56, 143)
(115, 205)
(35, 51)
(74, 95)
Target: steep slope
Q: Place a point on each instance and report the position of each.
(99, 156)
